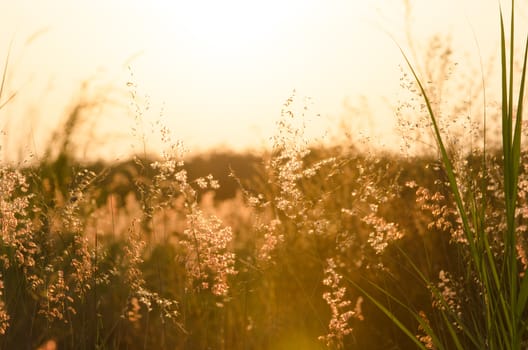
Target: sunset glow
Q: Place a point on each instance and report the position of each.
(219, 71)
(263, 174)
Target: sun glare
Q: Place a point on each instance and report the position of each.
(229, 26)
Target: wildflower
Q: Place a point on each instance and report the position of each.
(137, 284)
(4, 316)
(425, 338)
(209, 262)
(272, 238)
(383, 234)
(57, 303)
(201, 182)
(448, 292)
(341, 311)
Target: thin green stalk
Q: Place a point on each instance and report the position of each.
(4, 73)
(512, 154)
(4, 78)
(388, 313)
(504, 294)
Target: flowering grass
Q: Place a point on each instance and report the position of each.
(312, 247)
(498, 278)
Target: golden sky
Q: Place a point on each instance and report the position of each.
(218, 71)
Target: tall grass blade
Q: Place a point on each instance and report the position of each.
(390, 314)
(448, 310)
(7, 100)
(523, 291)
(4, 77)
(445, 158)
(523, 295)
(4, 73)
(453, 333)
(518, 124)
(506, 125)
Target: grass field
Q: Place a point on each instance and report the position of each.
(299, 247)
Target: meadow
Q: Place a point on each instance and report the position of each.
(303, 246)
